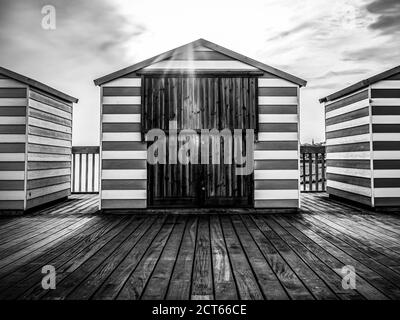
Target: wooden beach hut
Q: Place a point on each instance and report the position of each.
(200, 85)
(35, 143)
(363, 141)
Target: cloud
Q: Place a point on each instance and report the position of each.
(388, 15)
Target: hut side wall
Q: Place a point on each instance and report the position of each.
(13, 102)
(49, 149)
(385, 102)
(123, 155)
(276, 154)
(348, 139)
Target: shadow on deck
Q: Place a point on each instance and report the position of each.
(276, 256)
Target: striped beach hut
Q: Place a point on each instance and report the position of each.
(363, 141)
(199, 86)
(35, 143)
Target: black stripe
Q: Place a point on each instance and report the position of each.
(121, 91)
(124, 184)
(11, 204)
(40, 148)
(386, 183)
(124, 164)
(49, 133)
(281, 204)
(276, 164)
(39, 114)
(360, 113)
(349, 163)
(386, 128)
(121, 109)
(12, 129)
(276, 145)
(386, 145)
(283, 109)
(350, 147)
(385, 110)
(121, 127)
(122, 204)
(12, 92)
(12, 166)
(277, 127)
(12, 147)
(123, 146)
(386, 164)
(358, 181)
(348, 132)
(350, 196)
(387, 202)
(276, 184)
(12, 111)
(45, 182)
(277, 91)
(385, 93)
(44, 165)
(346, 101)
(9, 185)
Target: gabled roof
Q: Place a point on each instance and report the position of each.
(207, 44)
(36, 84)
(361, 85)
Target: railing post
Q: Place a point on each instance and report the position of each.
(316, 172)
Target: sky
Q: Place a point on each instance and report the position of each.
(331, 44)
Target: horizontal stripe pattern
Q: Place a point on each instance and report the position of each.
(13, 104)
(276, 172)
(386, 142)
(123, 155)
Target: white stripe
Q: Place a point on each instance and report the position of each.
(34, 193)
(123, 194)
(349, 139)
(387, 174)
(12, 156)
(49, 125)
(276, 174)
(275, 154)
(124, 82)
(277, 118)
(38, 174)
(348, 124)
(395, 136)
(10, 83)
(48, 157)
(49, 141)
(348, 155)
(275, 82)
(277, 100)
(387, 192)
(12, 195)
(12, 120)
(122, 136)
(121, 100)
(349, 188)
(364, 173)
(200, 64)
(8, 138)
(387, 155)
(277, 136)
(351, 107)
(386, 119)
(386, 102)
(386, 84)
(121, 118)
(46, 108)
(12, 175)
(124, 155)
(275, 194)
(13, 102)
(125, 174)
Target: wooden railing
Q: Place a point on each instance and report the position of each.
(312, 169)
(85, 170)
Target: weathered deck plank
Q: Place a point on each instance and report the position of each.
(198, 256)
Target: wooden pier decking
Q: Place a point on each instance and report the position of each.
(276, 256)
